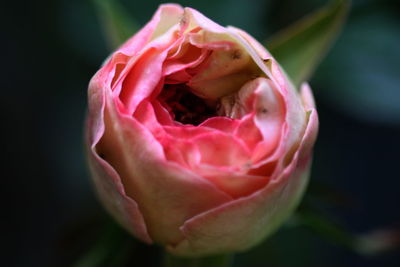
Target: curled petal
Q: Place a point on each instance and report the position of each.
(264, 210)
(106, 179)
(139, 159)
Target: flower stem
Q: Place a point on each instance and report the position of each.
(224, 260)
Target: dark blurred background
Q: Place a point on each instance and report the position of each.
(50, 50)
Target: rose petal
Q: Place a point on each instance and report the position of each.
(162, 114)
(167, 15)
(312, 129)
(186, 132)
(214, 232)
(248, 132)
(142, 79)
(220, 149)
(192, 57)
(223, 124)
(182, 151)
(158, 186)
(233, 182)
(269, 118)
(108, 185)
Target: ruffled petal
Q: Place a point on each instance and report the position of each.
(159, 187)
(213, 231)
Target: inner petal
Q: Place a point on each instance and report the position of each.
(223, 150)
(209, 107)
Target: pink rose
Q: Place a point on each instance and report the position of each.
(197, 140)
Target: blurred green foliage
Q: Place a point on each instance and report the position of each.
(361, 75)
(117, 24)
(300, 47)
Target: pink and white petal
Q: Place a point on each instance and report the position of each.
(108, 184)
(276, 70)
(261, 213)
(162, 114)
(267, 168)
(159, 187)
(260, 49)
(223, 124)
(196, 19)
(295, 114)
(269, 117)
(186, 132)
(312, 129)
(191, 58)
(236, 34)
(164, 29)
(146, 116)
(294, 122)
(221, 149)
(224, 85)
(112, 194)
(233, 182)
(295, 118)
(248, 132)
(174, 154)
(226, 71)
(261, 57)
(167, 16)
(178, 77)
(307, 96)
(214, 232)
(181, 150)
(164, 18)
(142, 78)
(117, 63)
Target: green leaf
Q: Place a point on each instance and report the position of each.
(300, 47)
(117, 24)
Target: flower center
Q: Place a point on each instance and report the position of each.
(184, 106)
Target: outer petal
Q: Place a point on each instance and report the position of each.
(309, 106)
(168, 15)
(220, 230)
(106, 179)
(260, 213)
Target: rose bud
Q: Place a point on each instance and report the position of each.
(196, 138)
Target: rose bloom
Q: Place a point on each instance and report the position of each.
(196, 138)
